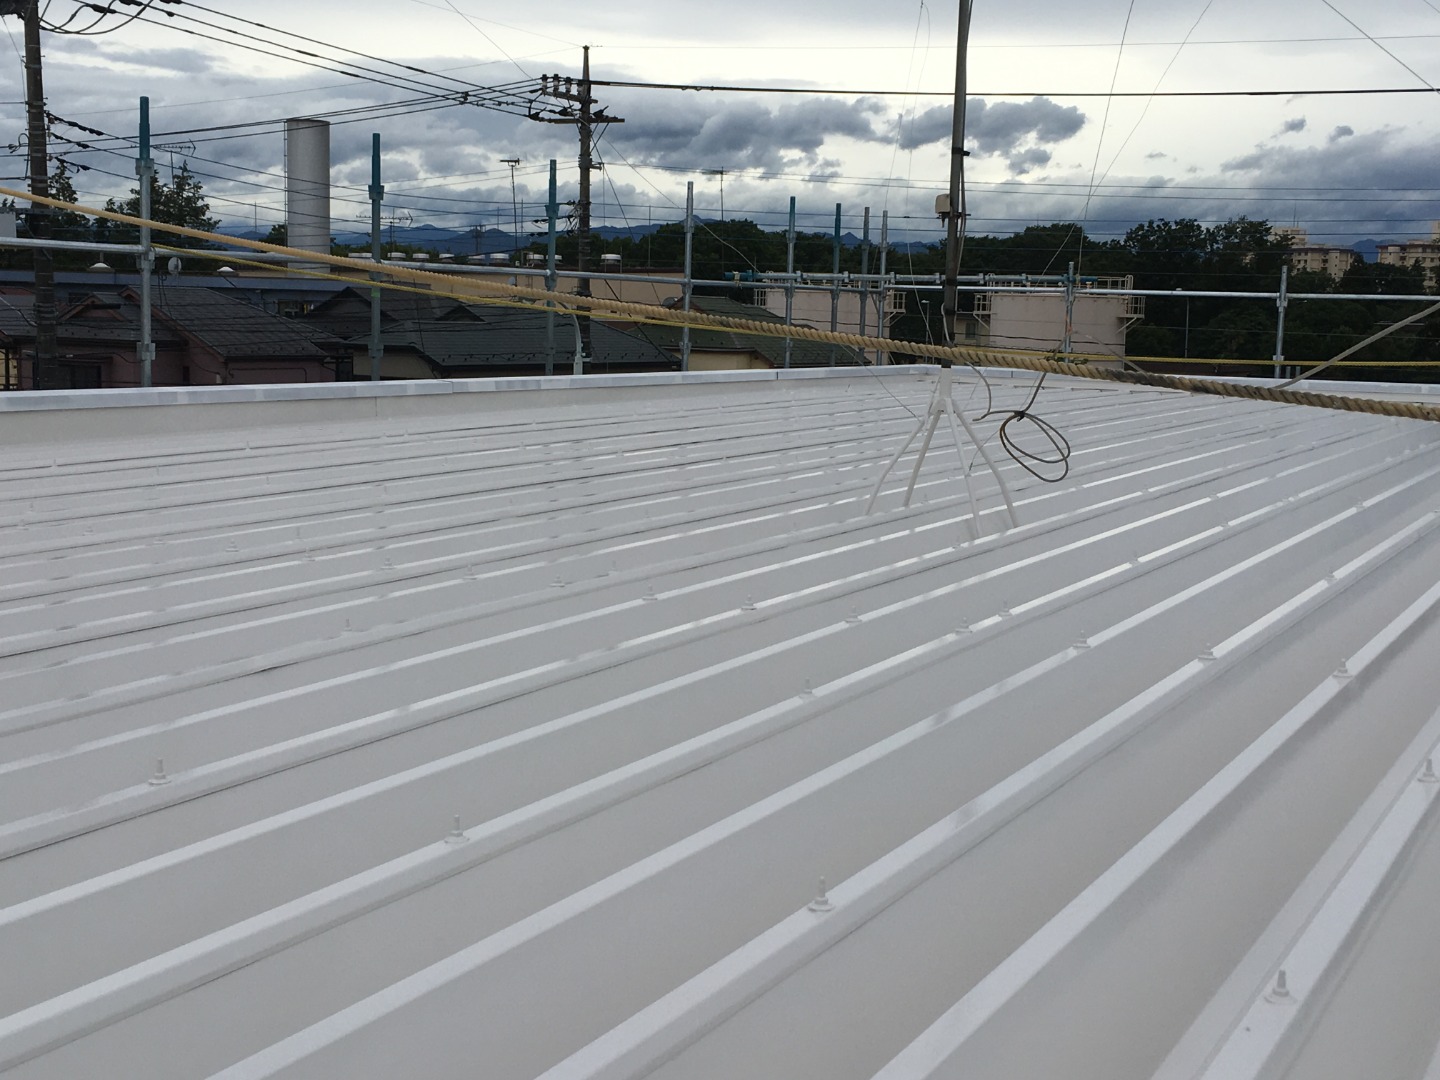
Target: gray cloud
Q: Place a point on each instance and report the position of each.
(1290, 127)
(740, 135)
(1013, 130)
(1344, 131)
(1024, 161)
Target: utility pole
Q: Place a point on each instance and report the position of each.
(790, 278)
(145, 170)
(882, 327)
(45, 373)
(955, 212)
(688, 289)
(864, 273)
(552, 212)
(585, 120)
(514, 208)
(377, 198)
(835, 282)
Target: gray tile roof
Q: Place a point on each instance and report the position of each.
(513, 338)
(772, 349)
(238, 330)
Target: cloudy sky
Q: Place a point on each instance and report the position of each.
(1048, 141)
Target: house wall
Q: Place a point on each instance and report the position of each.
(812, 308)
(727, 361)
(250, 372)
(1037, 321)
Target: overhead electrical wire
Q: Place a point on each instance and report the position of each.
(460, 83)
(1377, 44)
(845, 92)
(90, 31)
(500, 99)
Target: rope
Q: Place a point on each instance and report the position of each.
(527, 297)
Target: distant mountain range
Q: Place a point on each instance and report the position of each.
(466, 242)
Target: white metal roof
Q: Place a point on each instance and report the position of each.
(418, 732)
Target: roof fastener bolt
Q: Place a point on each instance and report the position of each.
(457, 834)
(158, 778)
(389, 563)
(853, 617)
(650, 593)
(1281, 990)
(821, 903)
(808, 691)
(749, 604)
(1208, 654)
(232, 546)
(1427, 774)
(1005, 611)
(558, 583)
(1083, 641)
(1343, 671)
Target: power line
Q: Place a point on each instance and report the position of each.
(1377, 44)
(499, 99)
(842, 92)
(465, 83)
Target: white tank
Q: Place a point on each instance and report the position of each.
(307, 185)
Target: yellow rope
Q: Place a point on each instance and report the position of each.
(519, 295)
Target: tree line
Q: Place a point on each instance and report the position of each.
(1240, 255)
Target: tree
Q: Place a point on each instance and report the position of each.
(67, 224)
(64, 224)
(181, 202)
(278, 235)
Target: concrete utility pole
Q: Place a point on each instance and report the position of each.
(514, 208)
(552, 213)
(145, 170)
(585, 121)
(45, 373)
(688, 288)
(377, 199)
(790, 278)
(955, 218)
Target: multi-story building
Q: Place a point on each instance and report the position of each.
(1422, 253)
(1306, 257)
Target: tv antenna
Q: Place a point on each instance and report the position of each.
(403, 218)
(186, 147)
(952, 210)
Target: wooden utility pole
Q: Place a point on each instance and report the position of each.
(585, 120)
(46, 367)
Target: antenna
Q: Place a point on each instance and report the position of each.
(185, 147)
(952, 211)
(403, 218)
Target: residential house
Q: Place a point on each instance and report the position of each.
(201, 337)
(714, 349)
(432, 337)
